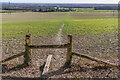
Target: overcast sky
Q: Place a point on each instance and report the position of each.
(61, 1)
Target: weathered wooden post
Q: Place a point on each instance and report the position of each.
(69, 52)
(27, 55)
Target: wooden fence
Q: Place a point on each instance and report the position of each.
(28, 47)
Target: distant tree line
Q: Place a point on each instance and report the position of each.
(40, 9)
(106, 8)
(57, 9)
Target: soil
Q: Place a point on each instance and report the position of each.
(80, 68)
(104, 47)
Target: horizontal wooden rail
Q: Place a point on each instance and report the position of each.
(94, 59)
(12, 57)
(48, 46)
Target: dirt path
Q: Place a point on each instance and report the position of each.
(56, 59)
(58, 40)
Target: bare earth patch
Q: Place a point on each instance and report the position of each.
(80, 68)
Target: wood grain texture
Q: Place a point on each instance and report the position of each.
(46, 68)
(48, 46)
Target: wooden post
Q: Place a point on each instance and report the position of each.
(27, 55)
(69, 52)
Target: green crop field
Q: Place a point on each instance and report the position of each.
(47, 24)
(94, 34)
(41, 29)
(90, 26)
(39, 24)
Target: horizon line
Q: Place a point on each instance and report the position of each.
(60, 3)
